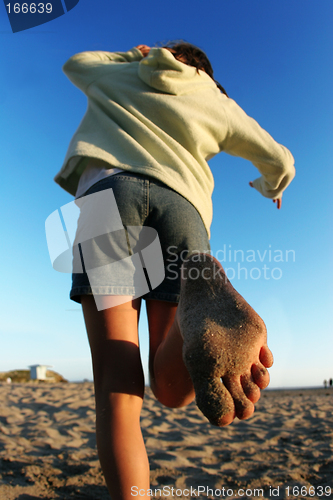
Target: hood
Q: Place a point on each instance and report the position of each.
(163, 72)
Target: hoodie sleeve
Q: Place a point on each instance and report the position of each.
(248, 140)
(83, 68)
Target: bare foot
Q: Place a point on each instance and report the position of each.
(225, 342)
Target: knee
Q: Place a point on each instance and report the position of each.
(118, 385)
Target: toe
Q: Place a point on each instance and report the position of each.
(251, 390)
(243, 406)
(260, 375)
(227, 419)
(266, 356)
(215, 401)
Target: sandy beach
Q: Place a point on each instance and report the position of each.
(48, 446)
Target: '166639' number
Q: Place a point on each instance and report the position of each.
(33, 8)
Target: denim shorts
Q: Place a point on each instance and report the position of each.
(141, 202)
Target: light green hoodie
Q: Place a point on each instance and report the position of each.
(160, 117)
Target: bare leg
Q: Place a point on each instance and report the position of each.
(225, 342)
(119, 389)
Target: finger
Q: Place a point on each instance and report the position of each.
(144, 49)
(278, 202)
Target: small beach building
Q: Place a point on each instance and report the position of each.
(38, 372)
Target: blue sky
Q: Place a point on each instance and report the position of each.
(274, 59)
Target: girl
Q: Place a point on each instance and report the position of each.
(154, 118)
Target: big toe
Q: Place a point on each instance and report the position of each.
(215, 401)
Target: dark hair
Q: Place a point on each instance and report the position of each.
(193, 56)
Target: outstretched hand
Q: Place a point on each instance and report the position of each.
(278, 201)
(144, 49)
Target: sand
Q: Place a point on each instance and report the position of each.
(48, 446)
